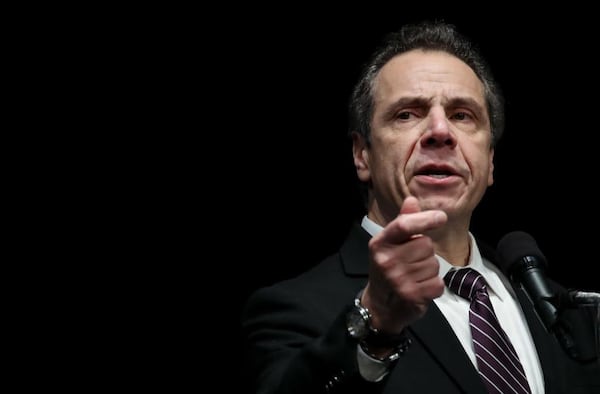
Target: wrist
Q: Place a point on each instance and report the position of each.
(380, 345)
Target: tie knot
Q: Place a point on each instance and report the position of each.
(465, 282)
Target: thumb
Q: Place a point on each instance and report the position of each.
(410, 205)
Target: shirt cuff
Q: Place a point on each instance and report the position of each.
(371, 369)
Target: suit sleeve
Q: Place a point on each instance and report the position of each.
(295, 346)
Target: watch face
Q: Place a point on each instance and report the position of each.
(357, 324)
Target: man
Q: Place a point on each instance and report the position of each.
(377, 316)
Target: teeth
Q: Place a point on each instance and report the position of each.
(438, 176)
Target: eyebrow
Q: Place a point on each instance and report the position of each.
(466, 102)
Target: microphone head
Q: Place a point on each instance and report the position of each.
(518, 248)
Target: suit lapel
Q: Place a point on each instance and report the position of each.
(437, 337)
(543, 342)
(355, 252)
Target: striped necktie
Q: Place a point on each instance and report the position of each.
(497, 361)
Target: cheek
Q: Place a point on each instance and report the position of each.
(491, 172)
(393, 156)
(398, 161)
(484, 168)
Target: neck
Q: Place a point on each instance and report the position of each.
(454, 246)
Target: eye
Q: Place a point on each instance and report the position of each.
(404, 115)
(461, 116)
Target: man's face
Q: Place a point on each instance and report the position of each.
(430, 136)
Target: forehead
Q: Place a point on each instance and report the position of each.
(427, 73)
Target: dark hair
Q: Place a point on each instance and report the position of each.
(439, 36)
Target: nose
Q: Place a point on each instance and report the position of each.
(438, 133)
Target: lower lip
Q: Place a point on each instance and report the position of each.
(430, 180)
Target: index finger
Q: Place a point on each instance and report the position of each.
(407, 225)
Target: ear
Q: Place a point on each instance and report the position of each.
(360, 153)
(491, 168)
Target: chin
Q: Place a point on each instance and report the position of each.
(441, 203)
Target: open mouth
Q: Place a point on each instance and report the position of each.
(439, 172)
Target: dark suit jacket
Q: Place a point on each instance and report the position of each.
(297, 343)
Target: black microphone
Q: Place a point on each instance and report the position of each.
(524, 263)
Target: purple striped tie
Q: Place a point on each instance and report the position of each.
(497, 361)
